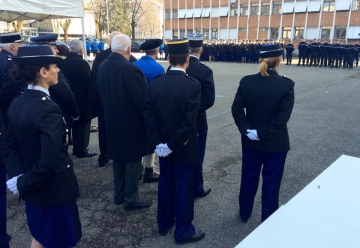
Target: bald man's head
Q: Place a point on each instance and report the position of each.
(112, 35)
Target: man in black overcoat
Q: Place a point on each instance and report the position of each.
(96, 107)
(171, 109)
(122, 87)
(204, 75)
(78, 72)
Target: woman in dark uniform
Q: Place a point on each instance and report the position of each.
(38, 164)
(268, 99)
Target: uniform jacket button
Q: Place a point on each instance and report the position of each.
(68, 166)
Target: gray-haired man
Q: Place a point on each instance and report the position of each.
(78, 72)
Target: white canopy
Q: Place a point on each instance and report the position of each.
(40, 9)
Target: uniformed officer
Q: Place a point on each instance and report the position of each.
(302, 47)
(38, 164)
(336, 51)
(349, 52)
(289, 50)
(61, 93)
(356, 55)
(268, 99)
(9, 44)
(151, 70)
(204, 75)
(315, 49)
(170, 112)
(325, 54)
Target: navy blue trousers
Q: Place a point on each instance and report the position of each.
(198, 178)
(4, 242)
(176, 198)
(272, 164)
(288, 58)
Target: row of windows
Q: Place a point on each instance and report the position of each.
(263, 9)
(339, 33)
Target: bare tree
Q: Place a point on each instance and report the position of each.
(65, 26)
(150, 24)
(97, 8)
(17, 25)
(119, 15)
(137, 11)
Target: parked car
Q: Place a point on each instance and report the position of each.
(135, 46)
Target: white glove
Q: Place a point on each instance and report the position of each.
(252, 134)
(162, 150)
(12, 185)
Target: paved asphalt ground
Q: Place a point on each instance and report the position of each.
(323, 126)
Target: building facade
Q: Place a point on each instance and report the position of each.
(263, 19)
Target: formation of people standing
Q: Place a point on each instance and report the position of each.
(324, 53)
(142, 111)
(318, 53)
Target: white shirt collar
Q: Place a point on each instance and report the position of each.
(177, 69)
(194, 56)
(34, 87)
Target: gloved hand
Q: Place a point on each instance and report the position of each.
(12, 185)
(252, 134)
(162, 150)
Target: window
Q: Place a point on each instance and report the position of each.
(325, 33)
(299, 33)
(286, 33)
(198, 31)
(182, 33)
(175, 34)
(244, 9)
(265, 9)
(234, 9)
(263, 29)
(242, 29)
(356, 5)
(329, 5)
(274, 33)
(340, 33)
(206, 34)
(214, 34)
(254, 9)
(189, 31)
(167, 14)
(175, 14)
(277, 8)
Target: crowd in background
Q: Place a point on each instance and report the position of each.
(320, 52)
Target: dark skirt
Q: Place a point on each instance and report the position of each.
(55, 226)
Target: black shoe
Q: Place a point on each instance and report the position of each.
(166, 232)
(150, 176)
(199, 235)
(103, 162)
(142, 203)
(86, 154)
(9, 238)
(244, 220)
(207, 190)
(320, 65)
(298, 65)
(118, 203)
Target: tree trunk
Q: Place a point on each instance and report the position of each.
(132, 32)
